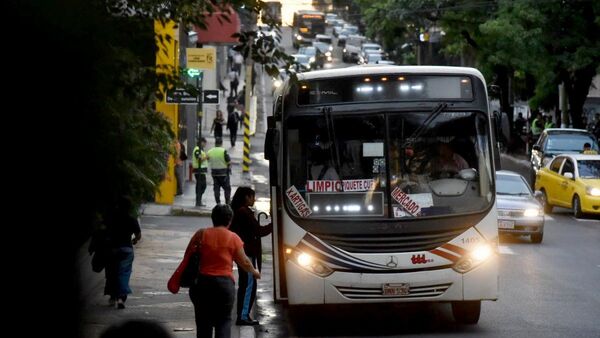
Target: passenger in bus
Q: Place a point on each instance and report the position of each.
(321, 167)
(447, 163)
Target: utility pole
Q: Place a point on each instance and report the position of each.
(248, 94)
(564, 107)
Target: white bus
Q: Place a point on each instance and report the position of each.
(382, 188)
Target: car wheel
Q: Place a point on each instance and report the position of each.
(466, 312)
(547, 206)
(532, 177)
(537, 238)
(577, 207)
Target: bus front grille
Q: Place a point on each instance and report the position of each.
(390, 243)
(376, 292)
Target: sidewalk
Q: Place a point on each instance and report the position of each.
(185, 204)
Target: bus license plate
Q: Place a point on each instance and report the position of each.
(402, 289)
(506, 224)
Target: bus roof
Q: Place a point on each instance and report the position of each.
(387, 69)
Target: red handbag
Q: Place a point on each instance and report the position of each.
(188, 270)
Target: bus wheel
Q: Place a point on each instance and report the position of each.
(466, 312)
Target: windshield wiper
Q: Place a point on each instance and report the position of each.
(432, 116)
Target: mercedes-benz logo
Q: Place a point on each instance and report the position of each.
(393, 262)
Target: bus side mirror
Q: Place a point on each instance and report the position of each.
(271, 144)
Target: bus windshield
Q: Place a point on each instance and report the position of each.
(388, 164)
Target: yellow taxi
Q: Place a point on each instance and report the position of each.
(571, 181)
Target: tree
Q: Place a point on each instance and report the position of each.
(90, 107)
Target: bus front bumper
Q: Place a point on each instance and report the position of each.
(442, 285)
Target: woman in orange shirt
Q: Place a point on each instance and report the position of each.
(214, 291)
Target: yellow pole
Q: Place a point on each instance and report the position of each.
(167, 55)
(246, 160)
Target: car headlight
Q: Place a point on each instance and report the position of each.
(531, 212)
(312, 59)
(276, 83)
(592, 191)
(474, 258)
(328, 53)
(298, 37)
(308, 262)
(344, 50)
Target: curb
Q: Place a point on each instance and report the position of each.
(182, 211)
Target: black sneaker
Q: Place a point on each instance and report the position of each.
(120, 304)
(246, 322)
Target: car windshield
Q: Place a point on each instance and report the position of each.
(310, 51)
(301, 58)
(322, 46)
(569, 142)
(511, 185)
(589, 169)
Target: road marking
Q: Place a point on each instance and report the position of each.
(504, 250)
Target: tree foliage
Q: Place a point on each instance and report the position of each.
(533, 45)
(105, 50)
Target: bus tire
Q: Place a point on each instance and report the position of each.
(466, 312)
(537, 238)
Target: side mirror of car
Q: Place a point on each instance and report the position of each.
(537, 147)
(568, 175)
(538, 195)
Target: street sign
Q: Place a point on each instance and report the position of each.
(201, 58)
(210, 96)
(180, 96)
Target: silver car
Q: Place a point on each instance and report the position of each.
(519, 211)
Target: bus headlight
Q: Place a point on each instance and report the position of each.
(308, 262)
(592, 191)
(531, 212)
(475, 257)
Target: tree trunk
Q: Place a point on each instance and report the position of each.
(577, 91)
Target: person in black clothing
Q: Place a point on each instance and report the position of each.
(120, 226)
(250, 231)
(232, 125)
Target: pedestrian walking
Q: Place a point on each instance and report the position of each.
(250, 231)
(232, 125)
(238, 60)
(200, 167)
(217, 125)
(121, 224)
(214, 290)
(179, 165)
(233, 83)
(219, 163)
